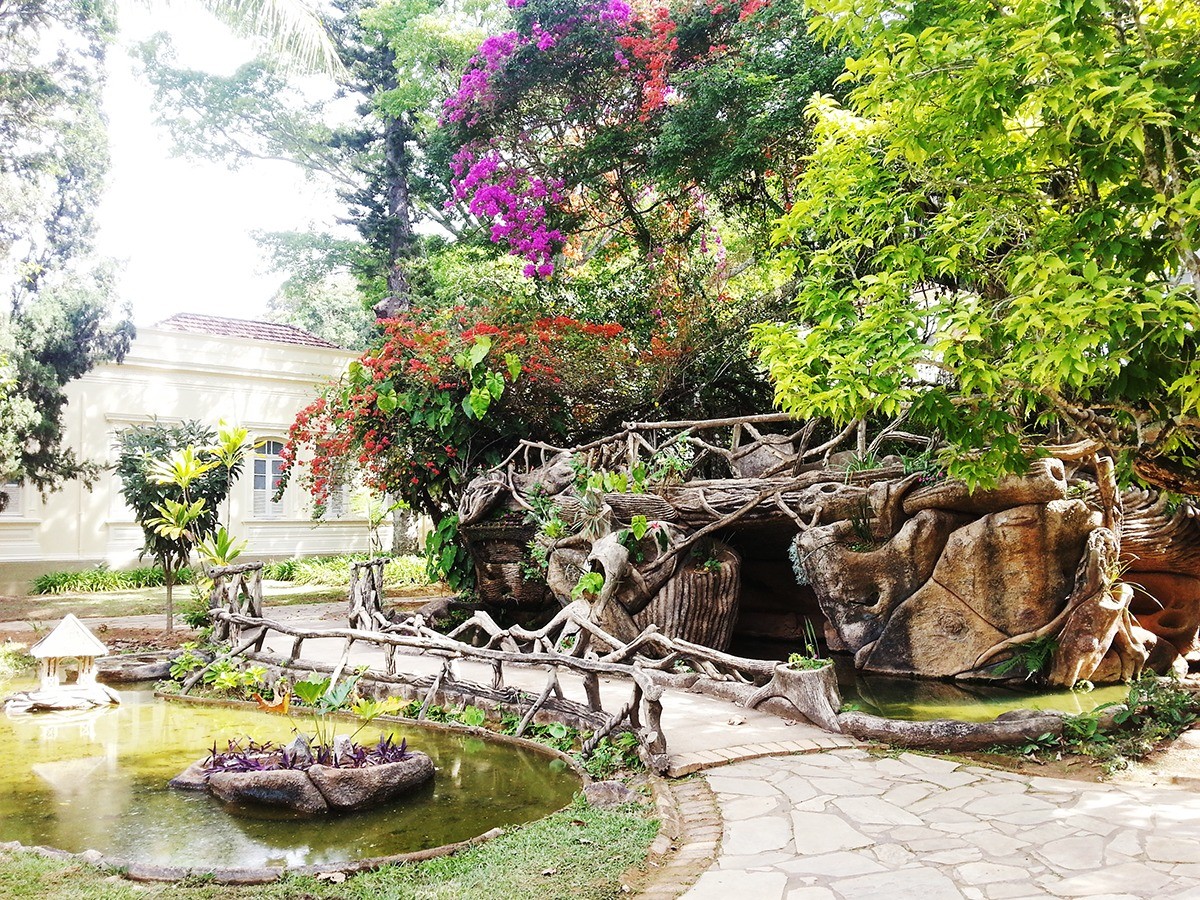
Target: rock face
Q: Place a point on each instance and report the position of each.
(315, 790)
(289, 788)
(1045, 481)
(957, 579)
(1001, 576)
(858, 588)
(1168, 604)
(345, 789)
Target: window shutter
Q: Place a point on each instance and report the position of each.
(16, 499)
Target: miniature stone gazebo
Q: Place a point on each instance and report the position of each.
(70, 639)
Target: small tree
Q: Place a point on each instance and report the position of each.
(175, 478)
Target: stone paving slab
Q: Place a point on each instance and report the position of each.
(846, 825)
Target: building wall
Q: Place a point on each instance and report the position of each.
(173, 376)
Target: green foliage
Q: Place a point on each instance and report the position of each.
(614, 754)
(633, 537)
(195, 613)
(996, 232)
(226, 675)
(173, 480)
(186, 662)
(400, 571)
(56, 294)
(281, 570)
(1033, 658)
(101, 578)
(220, 548)
(446, 558)
(862, 526)
(14, 659)
(1156, 710)
(811, 657)
(323, 698)
(802, 661)
(590, 583)
(473, 716)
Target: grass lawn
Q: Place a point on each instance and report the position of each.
(581, 853)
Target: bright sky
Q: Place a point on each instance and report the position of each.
(180, 228)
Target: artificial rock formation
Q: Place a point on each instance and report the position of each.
(912, 575)
(317, 789)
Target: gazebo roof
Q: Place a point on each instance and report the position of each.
(69, 638)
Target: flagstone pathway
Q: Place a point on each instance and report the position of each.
(846, 825)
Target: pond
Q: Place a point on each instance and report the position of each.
(924, 699)
(97, 779)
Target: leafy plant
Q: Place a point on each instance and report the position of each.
(473, 716)
(639, 528)
(186, 662)
(590, 584)
(811, 657)
(803, 661)
(614, 754)
(1032, 658)
(864, 532)
(265, 757)
(101, 578)
(220, 548)
(1155, 710)
(14, 659)
(195, 613)
(536, 562)
(324, 698)
(174, 484)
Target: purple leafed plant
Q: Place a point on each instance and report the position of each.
(255, 757)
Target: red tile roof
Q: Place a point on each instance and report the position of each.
(271, 332)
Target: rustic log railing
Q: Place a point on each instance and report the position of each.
(728, 440)
(570, 642)
(366, 594)
(237, 589)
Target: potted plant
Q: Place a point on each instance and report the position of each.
(808, 682)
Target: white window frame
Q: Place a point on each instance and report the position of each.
(266, 464)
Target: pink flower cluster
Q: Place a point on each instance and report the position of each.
(474, 87)
(515, 201)
(516, 204)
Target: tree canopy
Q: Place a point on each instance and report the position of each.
(53, 158)
(997, 232)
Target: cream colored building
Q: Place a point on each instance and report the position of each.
(254, 374)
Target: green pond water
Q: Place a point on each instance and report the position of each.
(98, 779)
(922, 699)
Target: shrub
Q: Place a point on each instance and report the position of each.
(401, 571)
(102, 578)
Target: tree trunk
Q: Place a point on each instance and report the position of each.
(169, 574)
(397, 161)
